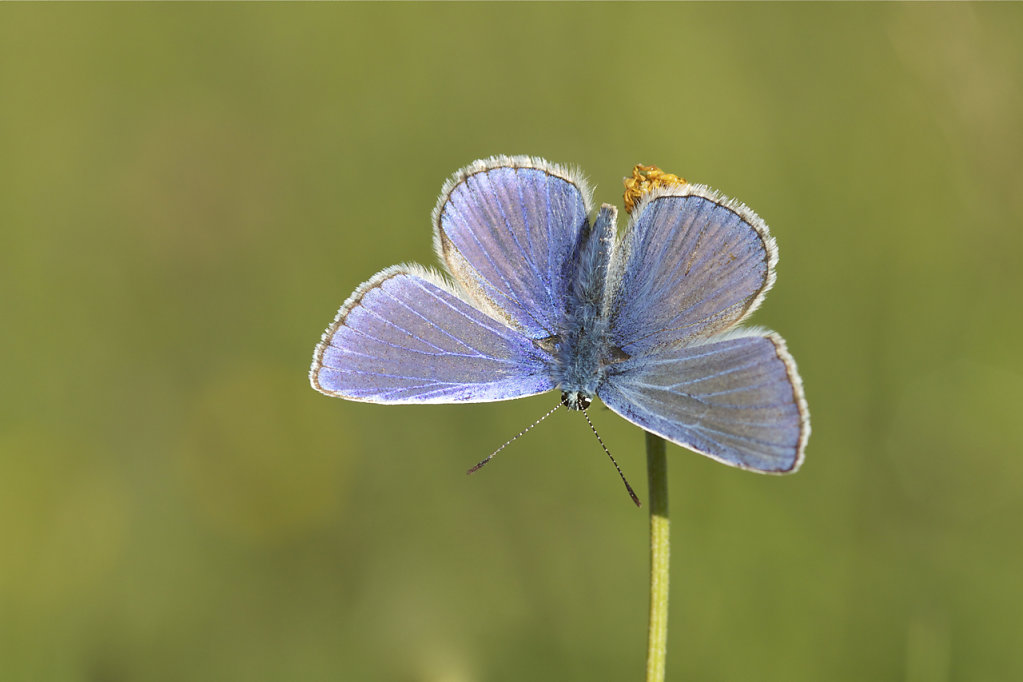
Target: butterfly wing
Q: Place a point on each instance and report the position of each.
(506, 229)
(405, 337)
(692, 264)
(736, 398)
(691, 267)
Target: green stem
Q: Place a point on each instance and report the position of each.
(660, 545)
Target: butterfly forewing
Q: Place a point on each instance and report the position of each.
(404, 337)
(736, 398)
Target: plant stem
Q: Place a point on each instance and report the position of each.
(660, 545)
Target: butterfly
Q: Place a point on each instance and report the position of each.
(537, 296)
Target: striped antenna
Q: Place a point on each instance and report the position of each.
(627, 486)
(515, 437)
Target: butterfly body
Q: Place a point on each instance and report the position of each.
(583, 353)
(541, 298)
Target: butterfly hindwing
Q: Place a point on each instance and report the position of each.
(692, 264)
(506, 229)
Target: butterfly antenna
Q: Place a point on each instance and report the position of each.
(515, 437)
(627, 486)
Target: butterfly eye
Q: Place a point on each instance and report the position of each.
(575, 401)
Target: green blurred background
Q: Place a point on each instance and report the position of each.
(189, 192)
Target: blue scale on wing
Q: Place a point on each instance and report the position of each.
(694, 266)
(507, 235)
(407, 339)
(733, 400)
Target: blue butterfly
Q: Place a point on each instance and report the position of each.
(537, 297)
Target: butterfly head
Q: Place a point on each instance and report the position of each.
(574, 400)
